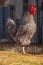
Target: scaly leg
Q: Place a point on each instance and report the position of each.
(23, 49)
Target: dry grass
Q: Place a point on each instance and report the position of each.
(8, 58)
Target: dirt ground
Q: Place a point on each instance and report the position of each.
(6, 45)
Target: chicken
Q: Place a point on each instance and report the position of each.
(27, 29)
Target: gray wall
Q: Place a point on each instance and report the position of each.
(42, 23)
(4, 16)
(19, 7)
(1, 22)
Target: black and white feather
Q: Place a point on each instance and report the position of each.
(11, 26)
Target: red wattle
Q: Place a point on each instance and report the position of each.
(32, 12)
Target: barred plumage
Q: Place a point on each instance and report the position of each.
(11, 26)
(26, 30)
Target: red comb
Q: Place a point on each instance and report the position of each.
(32, 6)
(32, 9)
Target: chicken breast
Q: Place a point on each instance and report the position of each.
(26, 30)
